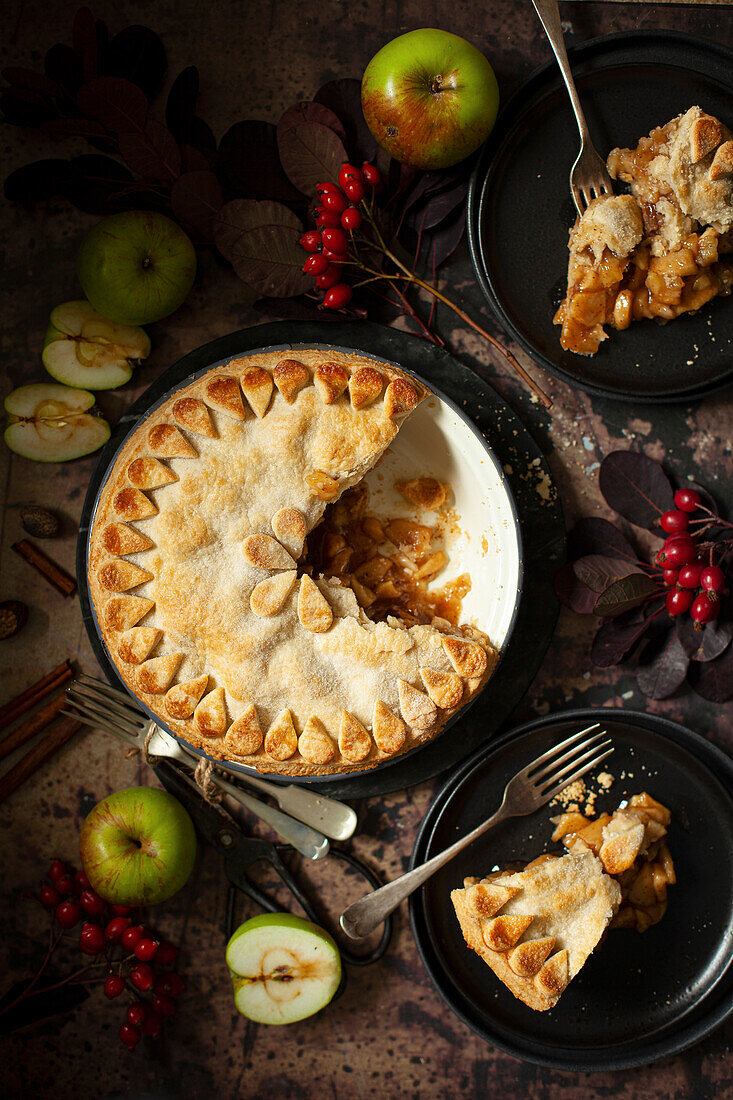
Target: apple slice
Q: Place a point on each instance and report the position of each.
(50, 423)
(283, 968)
(83, 348)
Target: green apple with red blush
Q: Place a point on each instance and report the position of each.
(430, 98)
(138, 846)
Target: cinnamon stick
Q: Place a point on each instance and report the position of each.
(28, 699)
(33, 725)
(59, 734)
(53, 573)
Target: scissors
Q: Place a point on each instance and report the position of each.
(219, 829)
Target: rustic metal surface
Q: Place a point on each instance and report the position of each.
(389, 1034)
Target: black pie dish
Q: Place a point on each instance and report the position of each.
(414, 355)
(520, 210)
(639, 997)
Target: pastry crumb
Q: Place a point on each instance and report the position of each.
(605, 780)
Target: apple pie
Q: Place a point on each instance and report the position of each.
(536, 927)
(207, 598)
(665, 248)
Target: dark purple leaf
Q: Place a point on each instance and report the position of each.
(572, 592)
(636, 487)
(437, 245)
(623, 594)
(614, 639)
(23, 107)
(713, 680)
(196, 199)
(37, 1006)
(77, 127)
(598, 536)
(598, 570)
(260, 240)
(181, 117)
(65, 67)
(309, 111)
(99, 185)
(666, 671)
(31, 81)
(706, 644)
(138, 55)
(343, 97)
(309, 153)
(152, 153)
(249, 163)
(118, 104)
(84, 30)
(437, 207)
(41, 180)
(193, 160)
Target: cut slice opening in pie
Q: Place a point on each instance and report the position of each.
(662, 250)
(245, 593)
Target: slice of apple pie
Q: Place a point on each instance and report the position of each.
(665, 248)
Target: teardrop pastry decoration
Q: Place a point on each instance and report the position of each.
(265, 552)
(330, 380)
(155, 676)
(400, 398)
(138, 643)
(181, 699)
(168, 442)
(122, 612)
(354, 740)
(418, 709)
(210, 716)
(289, 527)
(269, 595)
(389, 731)
(257, 387)
(281, 740)
(130, 503)
(365, 386)
(244, 736)
(444, 688)
(555, 974)
(290, 376)
(120, 576)
(467, 658)
(314, 610)
(503, 932)
(191, 413)
(314, 743)
(149, 473)
(224, 394)
(527, 959)
(119, 539)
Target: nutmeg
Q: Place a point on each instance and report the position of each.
(13, 617)
(39, 522)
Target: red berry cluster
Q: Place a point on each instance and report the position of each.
(135, 959)
(338, 214)
(694, 585)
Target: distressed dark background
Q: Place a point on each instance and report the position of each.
(390, 1035)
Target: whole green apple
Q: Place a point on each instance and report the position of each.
(138, 846)
(136, 267)
(429, 98)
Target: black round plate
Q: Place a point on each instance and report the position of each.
(520, 210)
(539, 514)
(639, 997)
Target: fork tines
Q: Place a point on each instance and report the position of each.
(564, 767)
(105, 708)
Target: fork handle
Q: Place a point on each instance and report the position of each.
(309, 842)
(365, 915)
(549, 14)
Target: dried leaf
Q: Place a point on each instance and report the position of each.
(574, 593)
(597, 570)
(623, 594)
(249, 165)
(152, 153)
(118, 104)
(636, 487)
(260, 240)
(309, 111)
(598, 536)
(343, 97)
(196, 199)
(713, 680)
(310, 152)
(703, 645)
(138, 55)
(667, 670)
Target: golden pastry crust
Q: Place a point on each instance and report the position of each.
(195, 543)
(536, 928)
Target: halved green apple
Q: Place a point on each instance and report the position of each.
(283, 968)
(83, 348)
(51, 423)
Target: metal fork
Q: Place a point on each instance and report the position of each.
(526, 792)
(104, 707)
(589, 176)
